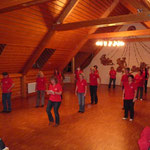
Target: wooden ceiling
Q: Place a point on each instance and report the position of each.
(29, 26)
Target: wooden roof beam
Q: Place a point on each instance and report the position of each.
(22, 5)
(134, 6)
(105, 22)
(40, 47)
(92, 30)
(119, 34)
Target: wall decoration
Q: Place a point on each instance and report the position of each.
(106, 61)
(122, 64)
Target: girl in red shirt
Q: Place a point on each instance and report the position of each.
(93, 85)
(77, 73)
(139, 79)
(41, 84)
(81, 90)
(58, 75)
(55, 91)
(129, 96)
(112, 74)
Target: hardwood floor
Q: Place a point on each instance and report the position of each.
(100, 128)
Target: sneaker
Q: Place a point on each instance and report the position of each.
(124, 118)
(56, 125)
(131, 120)
(141, 99)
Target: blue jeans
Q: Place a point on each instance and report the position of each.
(110, 81)
(81, 99)
(6, 100)
(56, 106)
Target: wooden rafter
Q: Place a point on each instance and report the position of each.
(134, 6)
(119, 34)
(106, 22)
(40, 48)
(22, 5)
(92, 30)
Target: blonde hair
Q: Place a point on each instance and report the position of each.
(40, 74)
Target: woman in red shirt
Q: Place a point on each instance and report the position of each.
(55, 91)
(81, 90)
(129, 96)
(139, 79)
(93, 85)
(41, 84)
(112, 74)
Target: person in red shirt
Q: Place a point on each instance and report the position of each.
(77, 73)
(80, 91)
(112, 74)
(146, 76)
(41, 84)
(6, 84)
(93, 77)
(139, 79)
(129, 96)
(55, 92)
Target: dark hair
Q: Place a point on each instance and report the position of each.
(54, 78)
(5, 73)
(131, 76)
(128, 69)
(95, 66)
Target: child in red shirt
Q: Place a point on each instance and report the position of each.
(41, 84)
(139, 79)
(129, 96)
(81, 90)
(55, 91)
(6, 84)
(112, 74)
(93, 77)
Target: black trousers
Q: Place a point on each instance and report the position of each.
(114, 83)
(146, 82)
(93, 93)
(56, 106)
(129, 106)
(139, 90)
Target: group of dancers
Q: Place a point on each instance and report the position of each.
(132, 87)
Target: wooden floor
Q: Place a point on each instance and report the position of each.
(100, 128)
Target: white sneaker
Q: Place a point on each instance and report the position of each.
(141, 99)
(131, 120)
(124, 118)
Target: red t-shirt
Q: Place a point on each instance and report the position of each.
(6, 84)
(41, 83)
(55, 88)
(112, 74)
(96, 71)
(139, 79)
(81, 86)
(93, 79)
(129, 90)
(78, 73)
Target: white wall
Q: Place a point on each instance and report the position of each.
(109, 51)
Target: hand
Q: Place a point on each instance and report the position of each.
(134, 99)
